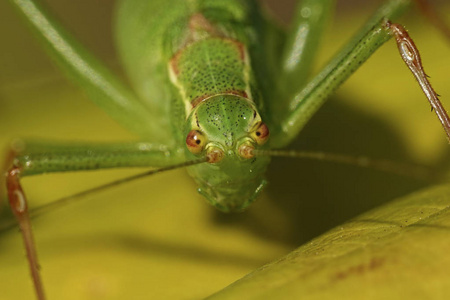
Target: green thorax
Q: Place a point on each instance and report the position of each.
(208, 60)
(209, 67)
(150, 47)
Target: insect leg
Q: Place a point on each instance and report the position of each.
(309, 99)
(411, 57)
(102, 86)
(35, 158)
(302, 42)
(19, 207)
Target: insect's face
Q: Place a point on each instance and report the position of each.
(227, 128)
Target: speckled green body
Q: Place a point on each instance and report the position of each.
(195, 71)
(148, 44)
(214, 65)
(211, 68)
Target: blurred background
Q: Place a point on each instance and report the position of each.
(138, 240)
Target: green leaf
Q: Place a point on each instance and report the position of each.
(397, 251)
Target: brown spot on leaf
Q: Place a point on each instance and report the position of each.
(360, 269)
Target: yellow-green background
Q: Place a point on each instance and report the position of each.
(156, 238)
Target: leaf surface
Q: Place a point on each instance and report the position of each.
(399, 250)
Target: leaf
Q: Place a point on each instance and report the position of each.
(399, 250)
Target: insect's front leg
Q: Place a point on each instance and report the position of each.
(102, 86)
(292, 67)
(300, 48)
(26, 159)
(377, 31)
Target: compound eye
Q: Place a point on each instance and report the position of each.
(195, 141)
(261, 134)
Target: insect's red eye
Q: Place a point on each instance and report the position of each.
(261, 134)
(195, 141)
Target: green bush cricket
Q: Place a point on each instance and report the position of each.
(235, 146)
